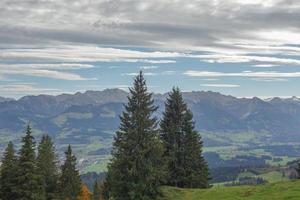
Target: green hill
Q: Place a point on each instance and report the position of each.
(273, 191)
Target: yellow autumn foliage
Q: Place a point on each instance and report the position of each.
(85, 193)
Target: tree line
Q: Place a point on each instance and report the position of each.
(27, 176)
(146, 154)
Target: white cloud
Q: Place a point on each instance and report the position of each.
(149, 67)
(219, 58)
(45, 70)
(66, 53)
(270, 79)
(169, 72)
(56, 66)
(265, 65)
(20, 89)
(221, 85)
(135, 74)
(85, 53)
(210, 79)
(243, 74)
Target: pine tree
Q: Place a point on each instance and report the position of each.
(8, 174)
(298, 170)
(172, 136)
(96, 191)
(47, 166)
(135, 171)
(30, 185)
(104, 190)
(183, 145)
(70, 182)
(196, 174)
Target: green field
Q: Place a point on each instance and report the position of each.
(273, 191)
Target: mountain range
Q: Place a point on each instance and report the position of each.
(95, 113)
(88, 121)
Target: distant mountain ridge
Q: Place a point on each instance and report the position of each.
(69, 117)
(3, 99)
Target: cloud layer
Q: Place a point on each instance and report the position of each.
(45, 70)
(72, 40)
(179, 24)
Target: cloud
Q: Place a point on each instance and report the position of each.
(20, 89)
(164, 24)
(66, 53)
(243, 74)
(56, 66)
(221, 85)
(217, 58)
(270, 79)
(257, 33)
(149, 67)
(135, 74)
(210, 79)
(169, 72)
(45, 70)
(265, 65)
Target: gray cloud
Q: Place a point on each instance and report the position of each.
(166, 24)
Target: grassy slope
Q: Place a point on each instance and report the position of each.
(274, 191)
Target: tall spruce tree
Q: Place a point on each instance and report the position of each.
(70, 181)
(30, 186)
(298, 170)
(96, 191)
(135, 171)
(172, 136)
(8, 180)
(104, 189)
(196, 173)
(47, 166)
(183, 145)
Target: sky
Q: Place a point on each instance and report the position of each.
(243, 48)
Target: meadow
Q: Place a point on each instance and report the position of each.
(274, 191)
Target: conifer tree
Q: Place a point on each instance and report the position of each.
(298, 170)
(30, 185)
(196, 174)
(183, 145)
(8, 174)
(104, 189)
(172, 136)
(96, 191)
(135, 171)
(47, 166)
(70, 182)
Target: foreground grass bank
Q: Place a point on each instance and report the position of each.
(274, 191)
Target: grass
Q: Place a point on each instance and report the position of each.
(288, 190)
(273, 176)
